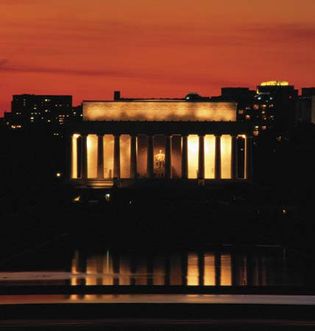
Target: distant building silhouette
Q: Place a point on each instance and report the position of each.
(306, 106)
(29, 110)
(243, 96)
(274, 106)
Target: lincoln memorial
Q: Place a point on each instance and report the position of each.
(126, 141)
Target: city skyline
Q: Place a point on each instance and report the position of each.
(147, 49)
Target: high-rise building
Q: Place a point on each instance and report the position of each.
(306, 106)
(274, 107)
(29, 110)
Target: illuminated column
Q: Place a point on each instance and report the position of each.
(218, 157)
(201, 157)
(133, 157)
(73, 154)
(184, 158)
(168, 157)
(234, 160)
(84, 157)
(117, 156)
(150, 157)
(249, 157)
(100, 157)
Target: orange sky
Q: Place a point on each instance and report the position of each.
(88, 48)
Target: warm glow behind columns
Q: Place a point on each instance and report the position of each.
(193, 150)
(74, 153)
(209, 156)
(125, 142)
(108, 156)
(92, 156)
(226, 154)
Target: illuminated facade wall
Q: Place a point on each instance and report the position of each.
(158, 111)
(108, 143)
(193, 150)
(125, 156)
(92, 156)
(209, 156)
(226, 161)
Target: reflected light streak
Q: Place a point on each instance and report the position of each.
(192, 270)
(226, 270)
(75, 269)
(91, 271)
(209, 269)
(159, 271)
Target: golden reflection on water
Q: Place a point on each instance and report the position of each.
(158, 271)
(192, 270)
(210, 268)
(226, 270)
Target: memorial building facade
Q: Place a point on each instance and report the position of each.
(123, 142)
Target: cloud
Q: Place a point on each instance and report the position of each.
(293, 32)
(177, 78)
(4, 67)
(3, 62)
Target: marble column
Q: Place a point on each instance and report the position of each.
(201, 157)
(168, 168)
(100, 157)
(70, 157)
(218, 157)
(84, 159)
(150, 157)
(133, 157)
(117, 156)
(184, 157)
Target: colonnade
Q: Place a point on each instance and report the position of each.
(209, 156)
